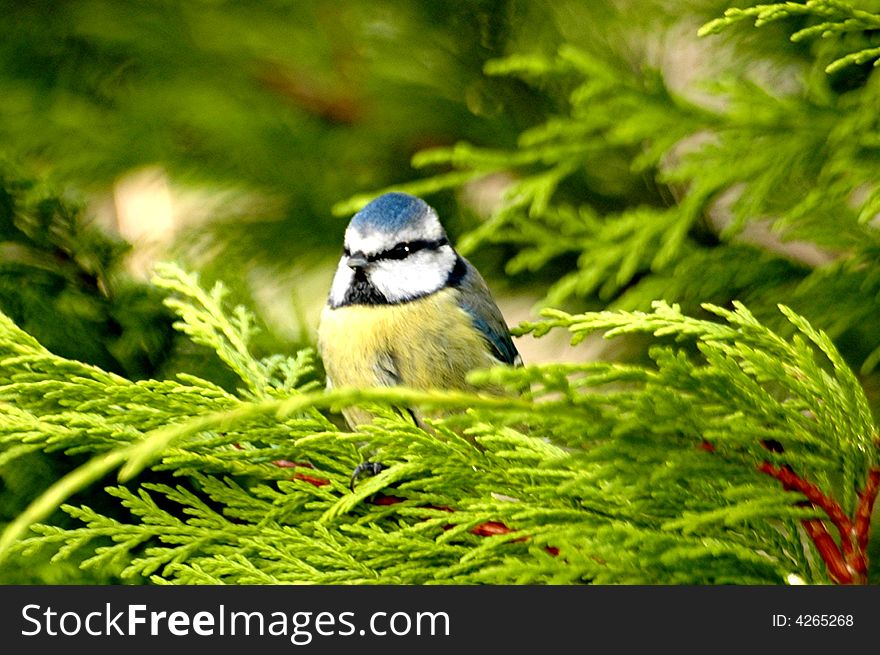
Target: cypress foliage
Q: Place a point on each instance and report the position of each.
(760, 187)
(729, 463)
(740, 448)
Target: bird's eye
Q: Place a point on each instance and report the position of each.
(407, 248)
(400, 251)
(346, 252)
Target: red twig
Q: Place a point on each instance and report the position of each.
(287, 464)
(490, 528)
(382, 499)
(866, 506)
(485, 529)
(847, 561)
(311, 479)
(837, 568)
(791, 481)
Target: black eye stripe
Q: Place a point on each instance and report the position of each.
(407, 248)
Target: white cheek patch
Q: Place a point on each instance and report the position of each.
(419, 274)
(341, 282)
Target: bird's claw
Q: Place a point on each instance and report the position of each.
(373, 468)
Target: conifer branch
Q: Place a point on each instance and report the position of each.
(867, 496)
(836, 18)
(712, 223)
(791, 481)
(846, 561)
(566, 483)
(828, 550)
(52, 498)
(626, 186)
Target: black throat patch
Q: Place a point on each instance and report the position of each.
(362, 292)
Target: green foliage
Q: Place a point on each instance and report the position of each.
(63, 281)
(597, 474)
(716, 457)
(284, 103)
(835, 20)
(756, 183)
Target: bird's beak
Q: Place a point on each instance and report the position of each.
(357, 260)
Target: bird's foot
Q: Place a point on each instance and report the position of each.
(373, 468)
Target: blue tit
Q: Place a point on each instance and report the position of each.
(405, 308)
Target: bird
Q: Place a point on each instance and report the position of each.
(404, 308)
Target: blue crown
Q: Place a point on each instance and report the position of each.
(390, 212)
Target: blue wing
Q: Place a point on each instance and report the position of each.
(477, 301)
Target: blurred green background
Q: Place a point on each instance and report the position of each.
(221, 134)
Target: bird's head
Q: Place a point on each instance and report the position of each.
(396, 250)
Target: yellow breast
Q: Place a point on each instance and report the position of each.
(426, 343)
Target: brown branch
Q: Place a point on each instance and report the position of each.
(311, 479)
(847, 562)
(485, 529)
(791, 481)
(837, 567)
(866, 506)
